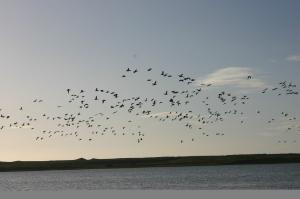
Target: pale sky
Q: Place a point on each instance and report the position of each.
(49, 46)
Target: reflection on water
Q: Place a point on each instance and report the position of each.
(275, 176)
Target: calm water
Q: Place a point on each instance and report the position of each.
(276, 176)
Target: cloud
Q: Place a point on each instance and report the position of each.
(280, 128)
(160, 114)
(233, 76)
(295, 58)
(284, 125)
(17, 127)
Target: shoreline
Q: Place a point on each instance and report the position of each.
(180, 161)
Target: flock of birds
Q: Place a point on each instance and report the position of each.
(84, 121)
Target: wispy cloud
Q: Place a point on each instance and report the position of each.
(280, 128)
(295, 58)
(233, 76)
(284, 125)
(23, 127)
(160, 114)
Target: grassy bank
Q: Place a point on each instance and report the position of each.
(149, 162)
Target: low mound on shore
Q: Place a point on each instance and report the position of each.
(82, 163)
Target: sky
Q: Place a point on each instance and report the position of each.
(49, 46)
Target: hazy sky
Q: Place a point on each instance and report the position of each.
(49, 46)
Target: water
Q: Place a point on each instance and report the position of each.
(275, 176)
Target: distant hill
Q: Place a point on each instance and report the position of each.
(82, 163)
